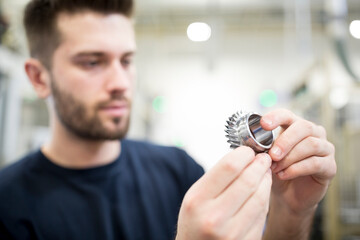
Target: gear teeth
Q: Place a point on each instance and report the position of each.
(230, 123)
(230, 131)
(238, 134)
(234, 142)
(233, 139)
(232, 126)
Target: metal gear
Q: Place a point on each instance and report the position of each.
(243, 128)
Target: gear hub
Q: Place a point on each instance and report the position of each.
(243, 128)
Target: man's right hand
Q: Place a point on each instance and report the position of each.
(230, 201)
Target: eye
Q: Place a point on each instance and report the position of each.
(90, 63)
(126, 61)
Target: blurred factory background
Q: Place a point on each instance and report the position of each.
(242, 54)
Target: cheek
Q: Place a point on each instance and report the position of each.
(83, 93)
(76, 81)
(84, 88)
(132, 79)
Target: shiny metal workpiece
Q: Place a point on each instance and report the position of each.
(243, 128)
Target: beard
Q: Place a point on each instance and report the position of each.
(77, 118)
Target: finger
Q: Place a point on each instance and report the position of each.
(276, 118)
(223, 173)
(322, 132)
(320, 168)
(244, 186)
(256, 206)
(294, 134)
(310, 146)
(258, 228)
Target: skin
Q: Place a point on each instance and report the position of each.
(304, 164)
(232, 200)
(93, 65)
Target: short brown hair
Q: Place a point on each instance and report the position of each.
(40, 21)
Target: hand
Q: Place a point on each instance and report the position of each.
(230, 201)
(303, 162)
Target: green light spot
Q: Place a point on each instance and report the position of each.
(178, 143)
(268, 98)
(159, 104)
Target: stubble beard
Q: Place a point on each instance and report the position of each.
(74, 115)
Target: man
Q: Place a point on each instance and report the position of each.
(88, 182)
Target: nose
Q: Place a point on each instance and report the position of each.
(119, 78)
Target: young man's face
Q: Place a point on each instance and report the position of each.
(93, 74)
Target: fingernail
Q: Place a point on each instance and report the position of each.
(275, 150)
(266, 157)
(273, 165)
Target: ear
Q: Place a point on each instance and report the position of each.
(39, 77)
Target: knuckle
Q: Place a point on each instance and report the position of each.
(322, 130)
(209, 226)
(309, 127)
(316, 163)
(315, 144)
(190, 202)
(232, 167)
(249, 183)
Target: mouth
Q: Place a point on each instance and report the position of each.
(115, 109)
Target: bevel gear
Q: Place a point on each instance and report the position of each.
(243, 128)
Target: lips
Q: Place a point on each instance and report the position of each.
(115, 109)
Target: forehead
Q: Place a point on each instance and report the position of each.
(88, 30)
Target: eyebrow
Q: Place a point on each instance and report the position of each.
(88, 54)
(100, 54)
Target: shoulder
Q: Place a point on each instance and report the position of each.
(14, 188)
(145, 145)
(145, 150)
(164, 158)
(15, 172)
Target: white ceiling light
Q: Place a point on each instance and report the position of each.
(355, 29)
(199, 32)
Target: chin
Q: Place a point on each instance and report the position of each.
(120, 127)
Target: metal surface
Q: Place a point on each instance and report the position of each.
(243, 128)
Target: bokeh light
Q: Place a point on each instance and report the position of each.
(199, 32)
(354, 29)
(159, 104)
(268, 98)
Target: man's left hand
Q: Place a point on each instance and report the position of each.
(303, 161)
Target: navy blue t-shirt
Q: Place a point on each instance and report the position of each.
(137, 196)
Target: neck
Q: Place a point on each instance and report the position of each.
(71, 151)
